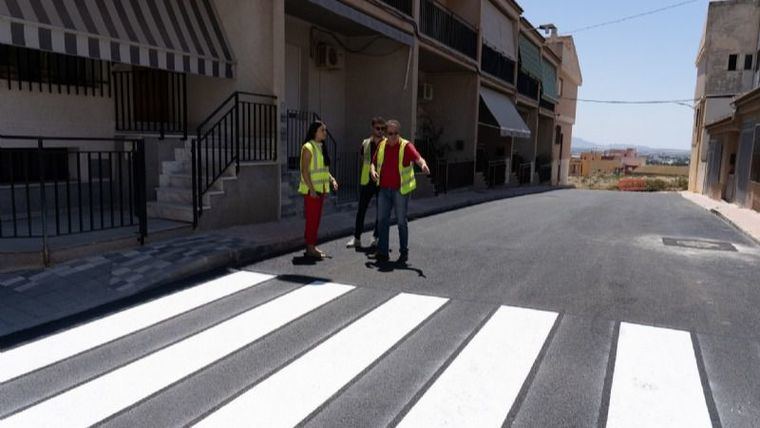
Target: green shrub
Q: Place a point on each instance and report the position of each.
(656, 185)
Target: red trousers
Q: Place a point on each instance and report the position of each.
(312, 208)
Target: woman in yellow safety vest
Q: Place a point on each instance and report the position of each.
(315, 183)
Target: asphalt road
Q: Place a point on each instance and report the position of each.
(560, 309)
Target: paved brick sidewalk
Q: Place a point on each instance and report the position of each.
(30, 299)
(744, 219)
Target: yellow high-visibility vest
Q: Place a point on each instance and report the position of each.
(408, 182)
(367, 155)
(319, 173)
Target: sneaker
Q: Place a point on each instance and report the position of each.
(403, 257)
(380, 257)
(373, 244)
(354, 243)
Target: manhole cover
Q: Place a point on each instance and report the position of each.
(699, 244)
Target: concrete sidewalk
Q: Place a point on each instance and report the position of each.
(36, 301)
(746, 220)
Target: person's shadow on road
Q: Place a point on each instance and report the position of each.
(391, 266)
(305, 260)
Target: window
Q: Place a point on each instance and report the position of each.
(30, 68)
(748, 62)
(561, 88)
(732, 62)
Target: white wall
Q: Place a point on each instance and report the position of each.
(454, 107)
(253, 34)
(375, 87)
(322, 91)
(24, 112)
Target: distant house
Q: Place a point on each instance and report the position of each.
(615, 161)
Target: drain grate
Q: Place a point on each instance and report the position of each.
(699, 244)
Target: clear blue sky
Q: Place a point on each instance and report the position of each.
(651, 57)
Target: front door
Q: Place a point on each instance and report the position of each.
(743, 163)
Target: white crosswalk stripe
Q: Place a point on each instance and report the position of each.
(656, 380)
(291, 394)
(36, 355)
(479, 386)
(655, 376)
(108, 394)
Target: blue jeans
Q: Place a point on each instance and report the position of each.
(387, 199)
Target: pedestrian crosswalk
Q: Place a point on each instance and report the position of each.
(317, 353)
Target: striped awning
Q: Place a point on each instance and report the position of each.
(530, 57)
(175, 35)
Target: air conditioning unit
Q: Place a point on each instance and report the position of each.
(425, 92)
(329, 57)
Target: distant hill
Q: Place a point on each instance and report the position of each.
(581, 145)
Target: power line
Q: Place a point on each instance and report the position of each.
(688, 102)
(627, 18)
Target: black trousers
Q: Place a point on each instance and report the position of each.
(365, 196)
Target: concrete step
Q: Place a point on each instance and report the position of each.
(176, 212)
(185, 181)
(177, 195)
(183, 167)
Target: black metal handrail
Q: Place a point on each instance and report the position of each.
(48, 190)
(242, 129)
(448, 28)
(153, 101)
(497, 64)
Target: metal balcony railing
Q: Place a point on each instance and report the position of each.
(497, 65)
(402, 5)
(445, 26)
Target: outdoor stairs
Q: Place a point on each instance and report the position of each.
(175, 193)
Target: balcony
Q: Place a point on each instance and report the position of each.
(527, 85)
(446, 27)
(497, 65)
(402, 5)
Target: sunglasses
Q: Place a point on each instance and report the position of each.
(392, 133)
(379, 128)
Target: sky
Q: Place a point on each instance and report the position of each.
(647, 58)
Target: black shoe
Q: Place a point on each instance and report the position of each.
(403, 257)
(380, 257)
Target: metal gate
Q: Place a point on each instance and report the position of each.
(714, 159)
(743, 163)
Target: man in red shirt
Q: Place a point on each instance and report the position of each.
(396, 180)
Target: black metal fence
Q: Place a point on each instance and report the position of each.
(445, 26)
(52, 72)
(242, 129)
(459, 174)
(402, 5)
(495, 172)
(497, 65)
(153, 101)
(47, 190)
(527, 85)
(296, 125)
(347, 169)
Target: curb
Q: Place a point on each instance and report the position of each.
(234, 259)
(735, 226)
